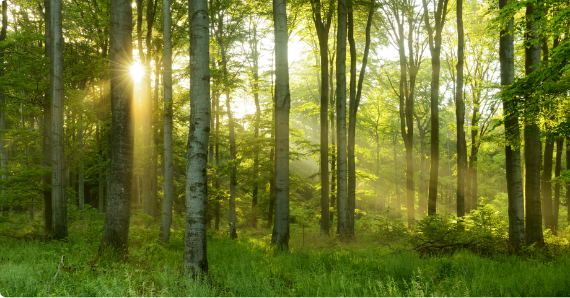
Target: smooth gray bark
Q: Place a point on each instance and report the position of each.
(117, 216)
(343, 223)
(195, 258)
(168, 161)
(355, 95)
(58, 157)
(323, 27)
(557, 170)
(532, 150)
(280, 236)
(46, 151)
(460, 114)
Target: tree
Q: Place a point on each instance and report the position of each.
(342, 191)
(58, 161)
(195, 258)
(168, 163)
(403, 12)
(435, 50)
(233, 173)
(355, 95)
(280, 236)
(323, 28)
(117, 217)
(532, 152)
(460, 113)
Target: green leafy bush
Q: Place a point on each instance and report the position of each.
(482, 231)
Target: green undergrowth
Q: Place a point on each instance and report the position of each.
(316, 266)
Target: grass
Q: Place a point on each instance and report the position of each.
(248, 266)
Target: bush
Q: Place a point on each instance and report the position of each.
(481, 232)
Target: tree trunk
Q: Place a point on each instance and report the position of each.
(333, 141)
(532, 154)
(117, 217)
(58, 158)
(557, 170)
(46, 151)
(568, 183)
(398, 205)
(217, 156)
(322, 28)
(355, 95)
(460, 113)
(472, 196)
(168, 159)
(435, 50)
(280, 237)
(233, 173)
(342, 191)
(546, 185)
(3, 151)
(255, 191)
(101, 180)
(81, 182)
(195, 258)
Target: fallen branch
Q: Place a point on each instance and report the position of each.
(59, 268)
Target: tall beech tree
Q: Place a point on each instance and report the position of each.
(195, 258)
(460, 114)
(168, 162)
(355, 95)
(403, 13)
(323, 28)
(434, 35)
(280, 236)
(532, 149)
(57, 108)
(343, 216)
(117, 217)
(512, 134)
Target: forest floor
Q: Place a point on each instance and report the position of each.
(316, 265)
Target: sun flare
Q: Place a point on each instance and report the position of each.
(137, 71)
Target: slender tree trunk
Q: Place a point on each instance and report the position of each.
(377, 172)
(473, 158)
(435, 50)
(81, 182)
(460, 113)
(195, 258)
(3, 151)
(254, 196)
(546, 185)
(568, 183)
(398, 205)
(342, 191)
(355, 95)
(168, 159)
(532, 154)
(233, 173)
(58, 162)
(117, 217)
(272, 153)
(280, 237)
(557, 170)
(322, 28)
(101, 198)
(48, 209)
(217, 156)
(423, 185)
(333, 142)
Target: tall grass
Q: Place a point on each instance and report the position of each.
(248, 266)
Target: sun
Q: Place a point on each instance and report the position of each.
(137, 71)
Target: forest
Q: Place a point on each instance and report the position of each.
(285, 148)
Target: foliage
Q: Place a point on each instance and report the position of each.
(483, 231)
